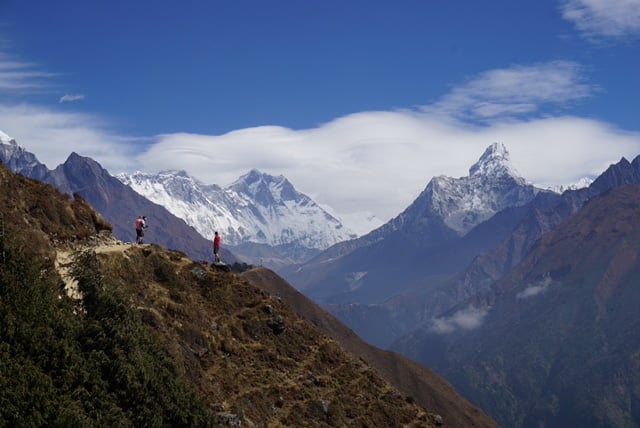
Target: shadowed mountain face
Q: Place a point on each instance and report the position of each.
(540, 220)
(554, 342)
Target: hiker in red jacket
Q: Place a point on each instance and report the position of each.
(216, 248)
(139, 232)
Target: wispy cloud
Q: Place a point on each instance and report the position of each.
(515, 92)
(52, 135)
(68, 98)
(536, 289)
(465, 319)
(604, 18)
(18, 76)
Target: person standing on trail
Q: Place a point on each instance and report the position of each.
(141, 224)
(216, 248)
(139, 232)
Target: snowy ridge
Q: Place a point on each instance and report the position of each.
(580, 184)
(18, 158)
(257, 208)
(462, 203)
(494, 162)
(492, 185)
(5, 139)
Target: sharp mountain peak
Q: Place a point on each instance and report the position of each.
(495, 160)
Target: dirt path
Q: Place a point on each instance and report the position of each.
(64, 259)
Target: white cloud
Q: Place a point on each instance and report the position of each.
(534, 290)
(608, 18)
(465, 319)
(52, 136)
(67, 98)
(514, 91)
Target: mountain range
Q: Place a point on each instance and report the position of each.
(99, 332)
(554, 342)
(528, 311)
(440, 233)
(262, 218)
(117, 203)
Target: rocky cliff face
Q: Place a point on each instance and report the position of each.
(18, 159)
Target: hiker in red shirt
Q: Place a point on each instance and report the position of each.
(139, 232)
(141, 224)
(216, 248)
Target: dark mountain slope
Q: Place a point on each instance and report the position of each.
(252, 359)
(540, 220)
(63, 363)
(426, 291)
(428, 389)
(553, 343)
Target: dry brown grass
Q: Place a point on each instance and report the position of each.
(228, 337)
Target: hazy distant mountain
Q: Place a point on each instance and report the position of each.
(555, 341)
(426, 243)
(262, 218)
(507, 238)
(118, 203)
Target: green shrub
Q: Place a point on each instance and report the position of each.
(62, 364)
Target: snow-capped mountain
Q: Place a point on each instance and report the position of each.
(258, 208)
(18, 158)
(451, 207)
(430, 239)
(462, 203)
(582, 183)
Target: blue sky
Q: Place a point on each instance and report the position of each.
(358, 103)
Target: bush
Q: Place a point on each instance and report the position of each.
(62, 364)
